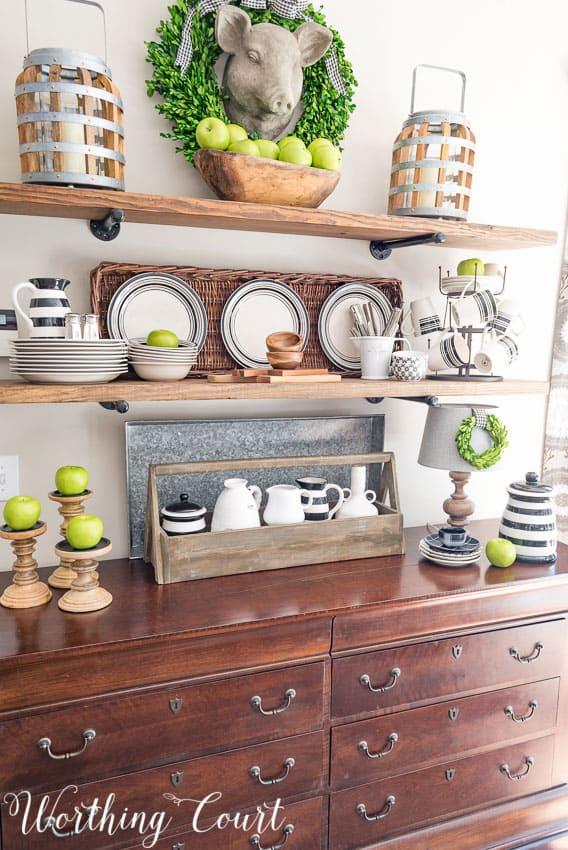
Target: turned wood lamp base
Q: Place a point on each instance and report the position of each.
(69, 506)
(26, 590)
(85, 594)
(459, 507)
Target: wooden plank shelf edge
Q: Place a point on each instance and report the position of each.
(19, 392)
(87, 204)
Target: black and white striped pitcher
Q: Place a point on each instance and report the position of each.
(318, 508)
(48, 308)
(529, 520)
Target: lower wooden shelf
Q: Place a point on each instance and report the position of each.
(20, 392)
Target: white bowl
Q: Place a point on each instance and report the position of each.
(162, 371)
(152, 358)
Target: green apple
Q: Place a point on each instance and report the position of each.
(163, 339)
(85, 531)
(319, 143)
(267, 149)
(236, 133)
(467, 267)
(246, 147)
(501, 553)
(213, 133)
(290, 140)
(71, 480)
(296, 155)
(22, 512)
(328, 158)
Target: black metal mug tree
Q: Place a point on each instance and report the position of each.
(464, 373)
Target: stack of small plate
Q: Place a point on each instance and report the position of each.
(67, 361)
(432, 548)
(153, 363)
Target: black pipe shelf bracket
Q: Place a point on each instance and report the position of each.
(108, 228)
(381, 249)
(117, 406)
(429, 400)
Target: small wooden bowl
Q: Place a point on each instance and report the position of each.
(284, 341)
(252, 179)
(285, 359)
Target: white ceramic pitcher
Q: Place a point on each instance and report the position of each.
(48, 307)
(285, 505)
(237, 506)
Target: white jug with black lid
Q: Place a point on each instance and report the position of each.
(529, 520)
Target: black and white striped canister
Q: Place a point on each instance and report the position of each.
(529, 520)
(319, 510)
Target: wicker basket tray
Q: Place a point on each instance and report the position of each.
(214, 287)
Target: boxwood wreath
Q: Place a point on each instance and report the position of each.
(489, 458)
(186, 99)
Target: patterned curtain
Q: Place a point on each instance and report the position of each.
(556, 444)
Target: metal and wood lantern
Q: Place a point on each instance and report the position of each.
(70, 117)
(433, 159)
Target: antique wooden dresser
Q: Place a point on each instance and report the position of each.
(387, 703)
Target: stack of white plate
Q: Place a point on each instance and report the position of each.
(66, 361)
(432, 548)
(154, 363)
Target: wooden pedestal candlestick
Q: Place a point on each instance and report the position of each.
(459, 507)
(26, 590)
(85, 593)
(69, 506)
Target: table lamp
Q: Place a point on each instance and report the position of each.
(439, 451)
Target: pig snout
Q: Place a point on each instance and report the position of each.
(281, 103)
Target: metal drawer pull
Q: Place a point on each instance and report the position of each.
(361, 810)
(288, 830)
(179, 845)
(366, 682)
(44, 744)
(527, 659)
(521, 718)
(255, 772)
(388, 748)
(290, 695)
(49, 823)
(515, 777)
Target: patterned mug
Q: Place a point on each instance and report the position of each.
(409, 365)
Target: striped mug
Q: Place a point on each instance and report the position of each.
(47, 310)
(529, 520)
(317, 507)
(474, 308)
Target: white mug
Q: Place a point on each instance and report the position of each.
(493, 270)
(376, 354)
(285, 505)
(425, 319)
(474, 308)
(508, 313)
(496, 353)
(450, 352)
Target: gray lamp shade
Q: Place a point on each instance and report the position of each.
(438, 449)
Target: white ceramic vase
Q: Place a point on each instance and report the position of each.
(358, 500)
(237, 506)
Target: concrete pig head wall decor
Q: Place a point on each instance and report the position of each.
(264, 74)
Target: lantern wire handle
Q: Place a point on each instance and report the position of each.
(438, 68)
(83, 2)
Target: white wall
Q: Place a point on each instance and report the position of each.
(515, 55)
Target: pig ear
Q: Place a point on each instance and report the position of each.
(232, 27)
(314, 41)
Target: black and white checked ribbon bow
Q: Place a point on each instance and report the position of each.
(480, 417)
(291, 9)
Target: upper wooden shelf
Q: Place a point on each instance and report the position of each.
(87, 204)
(193, 389)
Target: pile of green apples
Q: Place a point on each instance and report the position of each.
(214, 134)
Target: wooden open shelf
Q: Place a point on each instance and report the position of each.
(87, 204)
(192, 389)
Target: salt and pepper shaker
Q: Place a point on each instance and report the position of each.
(79, 327)
(73, 328)
(91, 327)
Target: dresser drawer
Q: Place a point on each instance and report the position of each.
(426, 671)
(396, 743)
(239, 780)
(155, 728)
(415, 798)
(302, 829)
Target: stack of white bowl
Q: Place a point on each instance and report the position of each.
(154, 363)
(68, 361)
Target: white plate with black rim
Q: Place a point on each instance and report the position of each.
(149, 301)
(255, 310)
(336, 322)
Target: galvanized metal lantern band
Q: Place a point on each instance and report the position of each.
(433, 161)
(70, 119)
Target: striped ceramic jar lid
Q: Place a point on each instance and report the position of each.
(531, 488)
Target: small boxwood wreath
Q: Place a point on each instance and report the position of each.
(499, 435)
(186, 99)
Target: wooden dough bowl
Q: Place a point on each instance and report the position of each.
(251, 179)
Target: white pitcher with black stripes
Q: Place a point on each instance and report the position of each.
(529, 520)
(45, 317)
